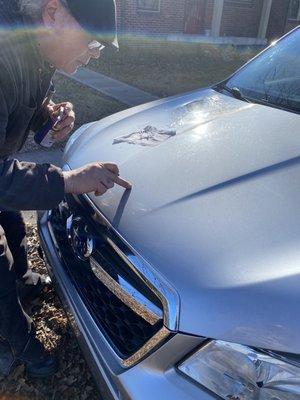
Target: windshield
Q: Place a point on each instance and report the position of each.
(274, 76)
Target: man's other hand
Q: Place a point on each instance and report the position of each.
(95, 177)
(62, 128)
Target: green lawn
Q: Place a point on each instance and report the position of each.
(165, 68)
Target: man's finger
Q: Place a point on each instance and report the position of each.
(110, 175)
(50, 109)
(67, 121)
(100, 190)
(121, 182)
(109, 184)
(112, 168)
(69, 106)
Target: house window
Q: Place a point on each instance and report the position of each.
(294, 10)
(148, 5)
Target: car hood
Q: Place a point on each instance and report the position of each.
(215, 209)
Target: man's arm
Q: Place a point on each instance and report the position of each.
(29, 186)
(23, 185)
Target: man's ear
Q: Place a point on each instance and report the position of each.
(50, 11)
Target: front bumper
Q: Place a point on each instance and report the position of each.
(155, 376)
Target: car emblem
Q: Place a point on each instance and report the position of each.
(80, 238)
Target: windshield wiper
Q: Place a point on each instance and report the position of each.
(235, 91)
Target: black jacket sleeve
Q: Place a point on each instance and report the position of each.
(23, 185)
(30, 186)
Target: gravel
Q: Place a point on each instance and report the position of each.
(73, 380)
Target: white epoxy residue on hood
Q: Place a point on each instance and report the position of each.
(149, 136)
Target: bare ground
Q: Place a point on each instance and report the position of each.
(73, 381)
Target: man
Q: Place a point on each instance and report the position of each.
(37, 37)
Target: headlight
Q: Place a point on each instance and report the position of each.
(238, 372)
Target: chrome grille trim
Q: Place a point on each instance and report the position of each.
(149, 346)
(127, 298)
(155, 341)
(160, 287)
(152, 307)
(155, 282)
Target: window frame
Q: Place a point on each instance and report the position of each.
(144, 10)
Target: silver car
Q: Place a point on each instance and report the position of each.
(188, 286)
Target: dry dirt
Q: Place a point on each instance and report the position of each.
(73, 381)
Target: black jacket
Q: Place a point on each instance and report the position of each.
(24, 83)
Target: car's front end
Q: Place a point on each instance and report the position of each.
(155, 278)
(124, 315)
(187, 286)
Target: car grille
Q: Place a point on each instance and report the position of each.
(125, 309)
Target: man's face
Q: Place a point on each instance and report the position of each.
(69, 45)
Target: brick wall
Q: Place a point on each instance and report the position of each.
(241, 19)
(170, 19)
(238, 19)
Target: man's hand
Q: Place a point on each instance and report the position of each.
(96, 177)
(66, 125)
